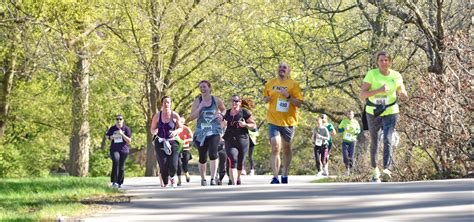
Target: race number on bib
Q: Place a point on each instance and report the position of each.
(382, 100)
(283, 105)
(117, 138)
(318, 142)
(348, 136)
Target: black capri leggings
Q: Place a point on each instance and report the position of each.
(168, 164)
(236, 149)
(211, 143)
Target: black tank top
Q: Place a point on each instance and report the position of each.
(165, 128)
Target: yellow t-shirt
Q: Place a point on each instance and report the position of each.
(377, 80)
(280, 111)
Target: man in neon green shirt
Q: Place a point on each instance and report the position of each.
(381, 88)
(349, 127)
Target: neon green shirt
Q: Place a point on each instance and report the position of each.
(377, 80)
(351, 129)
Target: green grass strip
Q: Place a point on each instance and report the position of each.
(36, 199)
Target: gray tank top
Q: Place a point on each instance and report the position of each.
(207, 123)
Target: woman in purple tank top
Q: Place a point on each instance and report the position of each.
(166, 126)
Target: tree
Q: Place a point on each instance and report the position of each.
(179, 47)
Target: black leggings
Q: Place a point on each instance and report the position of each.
(168, 164)
(118, 166)
(223, 163)
(210, 146)
(183, 162)
(320, 156)
(236, 149)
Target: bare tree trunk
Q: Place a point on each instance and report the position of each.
(6, 87)
(80, 135)
(152, 81)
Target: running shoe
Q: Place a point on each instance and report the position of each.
(203, 183)
(284, 179)
(173, 182)
(386, 175)
(319, 174)
(275, 180)
(114, 185)
(348, 172)
(376, 175)
(326, 170)
(252, 172)
(239, 182)
(243, 172)
(229, 183)
(179, 180)
(213, 182)
(188, 178)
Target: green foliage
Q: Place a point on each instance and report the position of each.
(239, 45)
(99, 163)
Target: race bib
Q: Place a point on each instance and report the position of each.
(117, 138)
(206, 126)
(348, 136)
(318, 142)
(381, 100)
(283, 105)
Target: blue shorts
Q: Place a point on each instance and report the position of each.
(286, 132)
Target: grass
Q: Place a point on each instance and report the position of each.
(47, 198)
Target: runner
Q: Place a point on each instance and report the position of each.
(380, 88)
(185, 155)
(247, 103)
(332, 132)
(349, 127)
(236, 137)
(120, 136)
(320, 140)
(166, 126)
(223, 165)
(207, 109)
(283, 96)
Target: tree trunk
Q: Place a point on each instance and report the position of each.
(154, 89)
(6, 87)
(9, 65)
(80, 135)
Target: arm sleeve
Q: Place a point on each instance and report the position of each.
(246, 114)
(109, 132)
(266, 91)
(296, 92)
(368, 77)
(128, 132)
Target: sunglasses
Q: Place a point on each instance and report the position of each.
(119, 119)
(235, 101)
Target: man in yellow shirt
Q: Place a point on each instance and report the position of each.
(283, 96)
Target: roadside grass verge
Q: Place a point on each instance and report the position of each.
(45, 199)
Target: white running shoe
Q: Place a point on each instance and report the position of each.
(326, 170)
(386, 175)
(252, 172)
(173, 182)
(376, 175)
(348, 172)
(243, 172)
(320, 174)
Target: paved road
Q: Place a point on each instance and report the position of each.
(256, 200)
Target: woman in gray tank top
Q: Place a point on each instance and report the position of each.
(207, 109)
